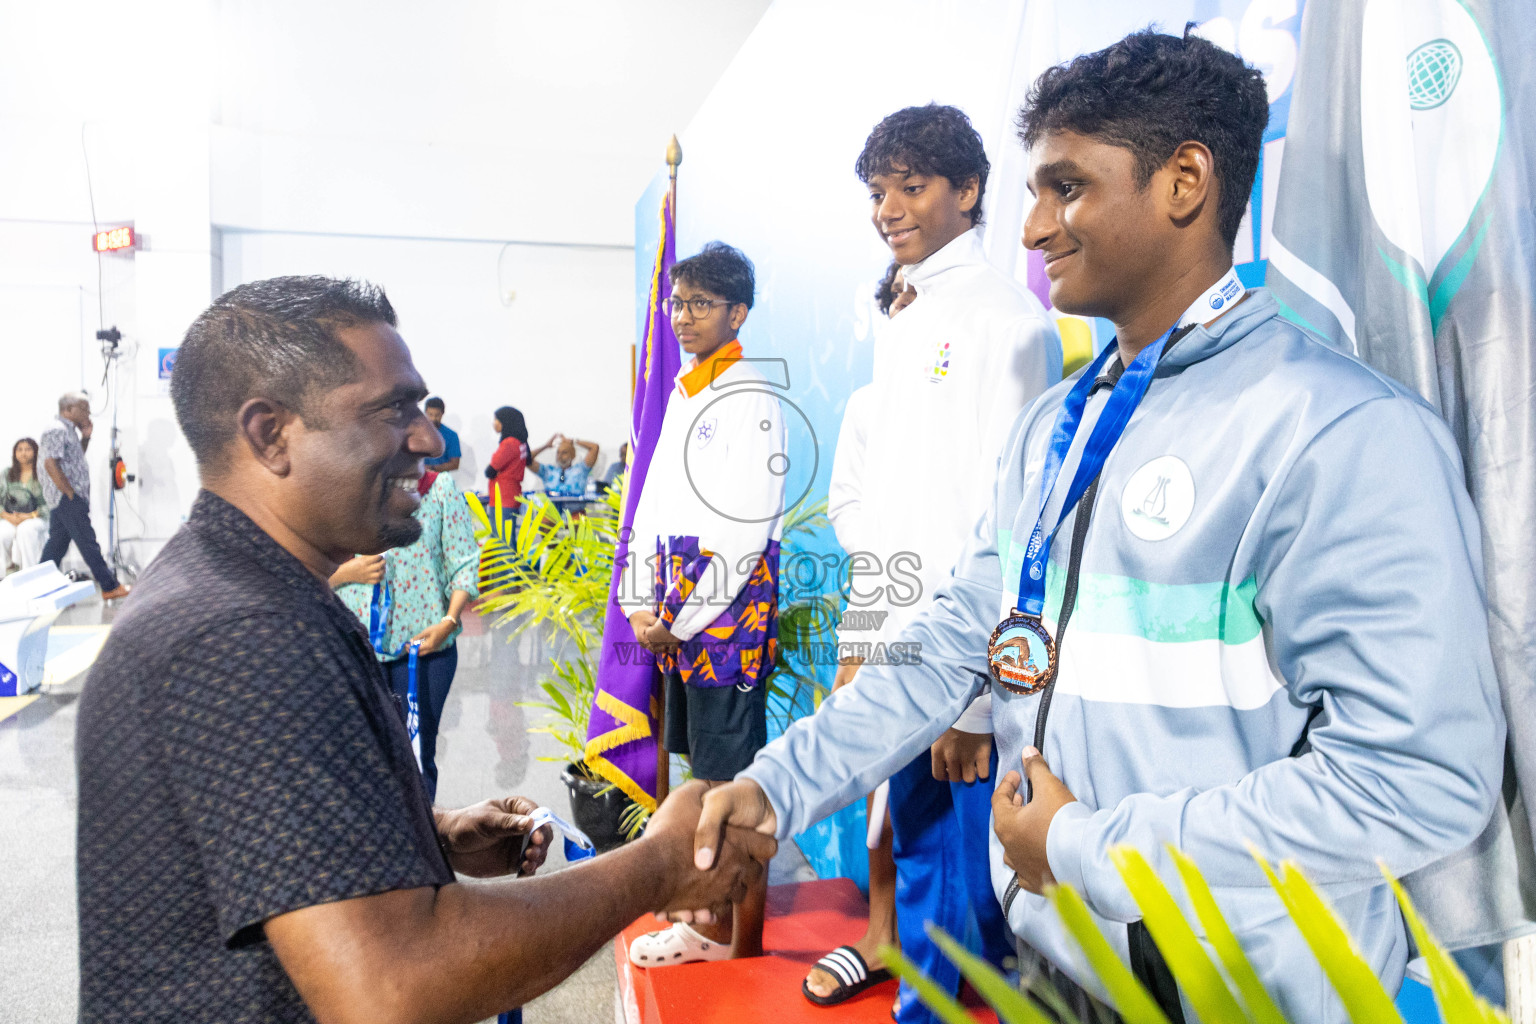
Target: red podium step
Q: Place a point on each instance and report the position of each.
(805, 920)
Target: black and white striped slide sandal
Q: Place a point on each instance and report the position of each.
(853, 976)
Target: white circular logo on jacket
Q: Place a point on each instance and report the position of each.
(1158, 498)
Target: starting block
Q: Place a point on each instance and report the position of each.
(29, 602)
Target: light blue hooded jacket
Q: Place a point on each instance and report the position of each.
(1281, 537)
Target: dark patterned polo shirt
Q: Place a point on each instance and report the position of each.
(239, 757)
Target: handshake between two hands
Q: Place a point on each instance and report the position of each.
(716, 841)
(708, 845)
(731, 826)
(711, 842)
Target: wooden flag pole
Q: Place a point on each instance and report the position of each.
(674, 158)
(663, 759)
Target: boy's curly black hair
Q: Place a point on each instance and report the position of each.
(719, 268)
(1150, 92)
(935, 140)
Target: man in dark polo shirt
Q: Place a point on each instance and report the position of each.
(255, 843)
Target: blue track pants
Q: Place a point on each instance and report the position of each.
(941, 831)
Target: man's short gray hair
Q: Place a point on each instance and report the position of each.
(69, 399)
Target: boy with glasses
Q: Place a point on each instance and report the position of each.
(702, 587)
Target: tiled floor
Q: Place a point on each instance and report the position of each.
(484, 750)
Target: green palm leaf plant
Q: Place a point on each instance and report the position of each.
(549, 568)
(806, 623)
(553, 567)
(1203, 955)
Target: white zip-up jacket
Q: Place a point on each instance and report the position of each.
(712, 507)
(952, 372)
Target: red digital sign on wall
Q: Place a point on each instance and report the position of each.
(113, 240)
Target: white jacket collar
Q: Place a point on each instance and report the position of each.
(963, 251)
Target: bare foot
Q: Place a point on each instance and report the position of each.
(823, 984)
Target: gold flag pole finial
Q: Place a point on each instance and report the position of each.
(674, 156)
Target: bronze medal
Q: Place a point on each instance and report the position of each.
(1021, 655)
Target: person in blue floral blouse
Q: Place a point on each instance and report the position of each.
(428, 584)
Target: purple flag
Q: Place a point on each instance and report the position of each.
(621, 735)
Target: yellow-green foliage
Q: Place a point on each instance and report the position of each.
(1223, 990)
(549, 567)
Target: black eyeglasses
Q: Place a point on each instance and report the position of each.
(698, 307)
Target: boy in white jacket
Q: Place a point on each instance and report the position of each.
(952, 371)
(703, 588)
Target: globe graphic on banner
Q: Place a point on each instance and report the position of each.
(1433, 71)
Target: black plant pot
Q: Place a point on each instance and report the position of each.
(596, 813)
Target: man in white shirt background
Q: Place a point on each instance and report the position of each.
(952, 372)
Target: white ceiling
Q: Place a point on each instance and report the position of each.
(546, 105)
(532, 120)
(600, 74)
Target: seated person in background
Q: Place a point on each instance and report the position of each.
(449, 460)
(566, 478)
(616, 470)
(23, 511)
(618, 466)
(509, 460)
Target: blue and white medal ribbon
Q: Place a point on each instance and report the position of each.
(378, 630)
(412, 707)
(378, 616)
(1021, 655)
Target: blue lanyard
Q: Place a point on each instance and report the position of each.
(412, 703)
(378, 616)
(1106, 433)
(378, 628)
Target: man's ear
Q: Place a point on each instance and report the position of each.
(738, 315)
(263, 430)
(1190, 182)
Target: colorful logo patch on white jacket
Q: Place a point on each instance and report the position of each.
(940, 368)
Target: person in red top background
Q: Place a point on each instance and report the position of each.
(509, 460)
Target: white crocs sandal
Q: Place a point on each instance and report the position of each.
(678, 944)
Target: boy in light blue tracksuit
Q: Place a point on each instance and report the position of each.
(1277, 633)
